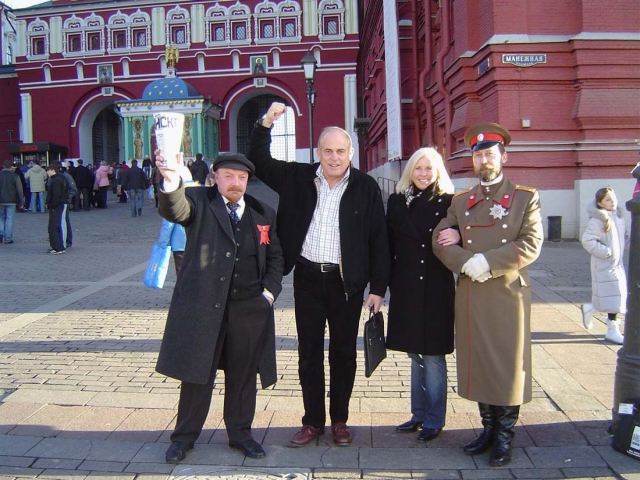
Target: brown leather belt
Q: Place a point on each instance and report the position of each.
(318, 267)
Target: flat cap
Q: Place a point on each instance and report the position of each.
(237, 161)
(486, 135)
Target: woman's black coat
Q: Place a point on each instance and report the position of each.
(421, 314)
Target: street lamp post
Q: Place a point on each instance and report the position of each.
(627, 378)
(309, 64)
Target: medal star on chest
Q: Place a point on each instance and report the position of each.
(497, 211)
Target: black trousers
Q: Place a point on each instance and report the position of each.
(240, 344)
(57, 226)
(320, 298)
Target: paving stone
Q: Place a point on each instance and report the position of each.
(13, 445)
(111, 451)
(537, 473)
(61, 448)
(57, 463)
(486, 474)
(95, 465)
(9, 461)
(415, 459)
(564, 457)
(601, 473)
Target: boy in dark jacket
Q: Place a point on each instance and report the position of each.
(57, 197)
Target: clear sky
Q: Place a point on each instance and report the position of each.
(21, 3)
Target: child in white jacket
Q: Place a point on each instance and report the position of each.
(605, 239)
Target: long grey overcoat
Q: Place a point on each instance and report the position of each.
(201, 290)
(493, 330)
(608, 280)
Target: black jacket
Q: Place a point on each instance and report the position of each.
(84, 178)
(363, 232)
(10, 188)
(199, 171)
(201, 291)
(422, 289)
(57, 192)
(135, 179)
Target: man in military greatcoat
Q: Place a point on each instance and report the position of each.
(501, 234)
(221, 313)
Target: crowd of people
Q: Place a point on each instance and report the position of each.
(28, 188)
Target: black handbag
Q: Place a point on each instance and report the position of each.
(375, 349)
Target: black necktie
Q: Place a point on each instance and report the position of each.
(233, 207)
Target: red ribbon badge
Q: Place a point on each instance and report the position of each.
(264, 234)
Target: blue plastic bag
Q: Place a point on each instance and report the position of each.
(158, 265)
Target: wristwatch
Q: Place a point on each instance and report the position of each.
(259, 122)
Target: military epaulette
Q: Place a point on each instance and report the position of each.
(528, 189)
(462, 192)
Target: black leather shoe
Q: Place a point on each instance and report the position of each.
(427, 434)
(250, 448)
(409, 426)
(177, 451)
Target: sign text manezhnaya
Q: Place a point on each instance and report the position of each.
(524, 59)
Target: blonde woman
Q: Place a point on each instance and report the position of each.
(422, 289)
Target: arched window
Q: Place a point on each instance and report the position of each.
(37, 40)
(240, 26)
(331, 20)
(283, 134)
(140, 31)
(290, 18)
(216, 26)
(178, 28)
(118, 28)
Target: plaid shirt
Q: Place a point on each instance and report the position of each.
(322, 243)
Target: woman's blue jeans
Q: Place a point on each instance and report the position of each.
(428, 390)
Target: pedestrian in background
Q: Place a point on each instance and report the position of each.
(121, 178)
(10, 198)
(17, 169)
(421, 288)
(199, 170)
(501, 229)
(605, 240)
(57, 203)
(27, 189)
(102, 181)
(211, 179)
(135, 186)
(84, 184)
(37, 178)
(72, 191)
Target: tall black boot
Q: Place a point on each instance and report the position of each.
(506, 418)
(480, 444)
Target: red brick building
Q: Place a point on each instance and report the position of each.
(74, 61)
(562, 76)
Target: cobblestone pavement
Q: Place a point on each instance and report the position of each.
(79, 397)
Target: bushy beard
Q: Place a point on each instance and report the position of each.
(487, 173)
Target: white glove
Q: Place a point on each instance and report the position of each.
(476, 267)
(484, 278)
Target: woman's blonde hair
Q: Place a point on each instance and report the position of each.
(443, 182)
(600, 194)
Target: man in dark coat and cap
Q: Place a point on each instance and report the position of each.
(221, 313)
